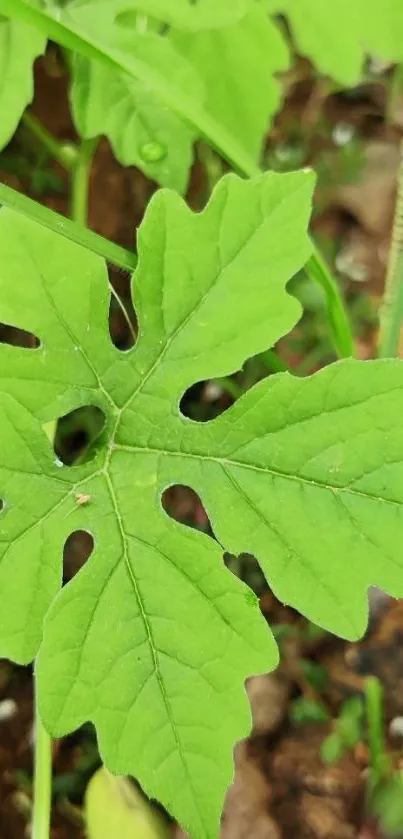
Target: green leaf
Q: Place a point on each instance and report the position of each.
(121, 257)
(338, 38)
(114, 807)
(332, 748)
(204, 14)
(349, 724)
(328, 448)
(141, 130)
(98, 38)
(20, 44)
(305, 710)
(316, 674)
(387, 804)
(153, 637)
(237, 66)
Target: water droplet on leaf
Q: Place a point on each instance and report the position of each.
(152, 152)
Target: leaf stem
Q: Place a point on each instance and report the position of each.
(374, 710)
(274, 362)
(65, 153)
(391, 314)
(80, 181)
(318, 271)
(42, 780)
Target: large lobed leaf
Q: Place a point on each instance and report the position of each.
(153, 638)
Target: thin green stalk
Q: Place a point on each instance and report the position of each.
(391, 315)
(230, 386)
(65, 153)
(42, 781)
(379, 762)
(115, 254)
(274, 362)
(318, 271)
(394, 92)
(79, 204)
(80, 182)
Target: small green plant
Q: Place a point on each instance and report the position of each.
(347, 730)
(362, 719)
(153, 638)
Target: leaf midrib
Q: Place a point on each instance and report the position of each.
(152, 646)
(266, 470)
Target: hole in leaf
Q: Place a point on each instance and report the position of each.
(183, 504)
(77, 433)
(18, 337)
(78, 548)
(122, 317)
(246, 568)
(206, 400)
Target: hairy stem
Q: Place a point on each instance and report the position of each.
(374, 707)
(391, 315)
(42, 781)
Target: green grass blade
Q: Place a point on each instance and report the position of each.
(115, 254)
(391, 315)
(318, 272)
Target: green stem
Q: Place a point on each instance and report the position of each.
(42, 781)
(80, 180)
(394, 92)
(274, 362)
(230, 386)
(379, 761)
(391, 315)
(123, 258)
(318, 271)
(65, 153)
(79, 204)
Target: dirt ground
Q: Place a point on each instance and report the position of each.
(282, 787)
